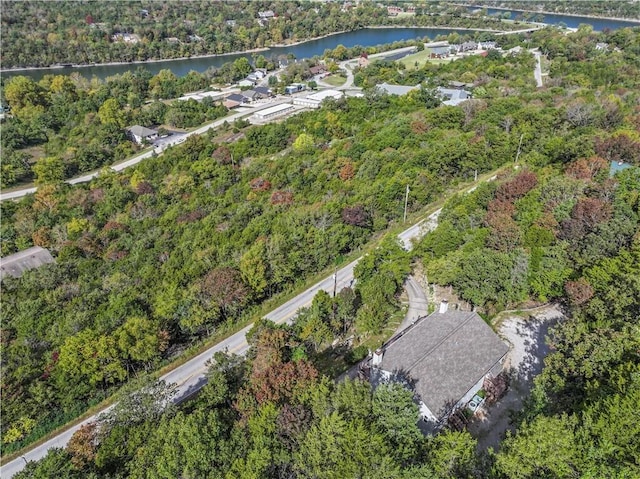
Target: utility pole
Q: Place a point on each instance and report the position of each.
(406, 202)
(519, 146)
(335, 282)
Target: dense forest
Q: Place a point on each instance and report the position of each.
(41, 34)
(618, 9)
(191, 243)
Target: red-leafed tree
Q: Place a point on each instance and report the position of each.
(516, 188)
(347, 171)
(586, 168)
(579, 292)
(260, 184)
(222, 155)
(585, 216)
(619, 148)
(356, 216)
(224, 286)
(505, 234)
(282, 198)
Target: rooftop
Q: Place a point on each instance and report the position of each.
(141, 131)
(444, 355)
(396, 89)
(17, 263)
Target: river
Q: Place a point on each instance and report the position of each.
(570, 21)
(365, 37)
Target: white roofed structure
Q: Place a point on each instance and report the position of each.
(16, 264)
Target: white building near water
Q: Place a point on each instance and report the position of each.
(273, 112)
(314, 100)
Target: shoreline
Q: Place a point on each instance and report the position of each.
(544, 12)
(439, 28)
(136, 62)
(253, 50)
(300, 42)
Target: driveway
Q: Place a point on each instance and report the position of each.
(524, 362)
(418, 304)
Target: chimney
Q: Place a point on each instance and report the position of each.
(376, 360)
(444, 305)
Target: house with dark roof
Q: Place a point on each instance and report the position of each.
(264, 91)
(238, 97)
(16, 264)
(443, 358)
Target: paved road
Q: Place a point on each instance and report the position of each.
(170, 141)
(190, 377)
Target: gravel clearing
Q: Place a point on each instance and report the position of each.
(524, 362)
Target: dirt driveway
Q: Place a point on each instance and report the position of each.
(524, 362)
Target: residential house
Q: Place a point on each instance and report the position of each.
(241, 99)
(230, 104)
(393, 11)
(294, 88)
(317, 70)
(264, 91)
(487, 45)
(230, 23)
(266, 15)
(125, 37)
(16, 264)
(363, 60)
(444, 359)
(252, 95)
(603, 47)
(246, 83)
(141, 135)
(465, 47)
(439, 52)
(399, 90)
(453, 96)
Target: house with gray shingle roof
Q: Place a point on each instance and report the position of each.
(399, 90)
(443, 358)
(16, 264)
(140, 134)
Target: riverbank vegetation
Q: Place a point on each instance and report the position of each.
(190, 243)
(49, 33)
(531, 9)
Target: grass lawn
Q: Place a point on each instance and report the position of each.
(334, 80)
(421, 58)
